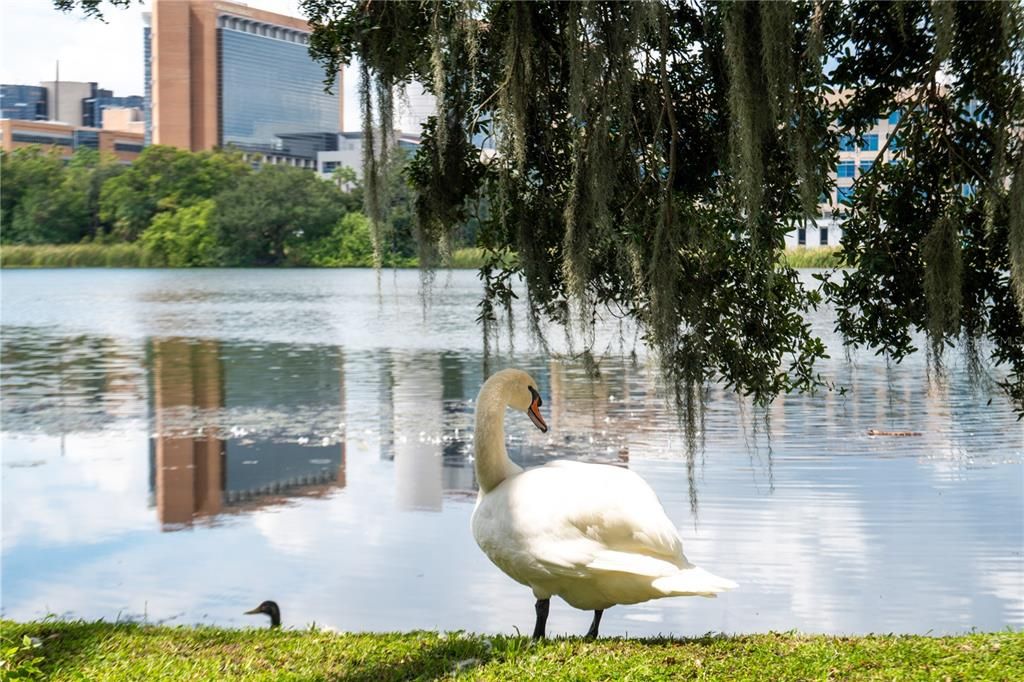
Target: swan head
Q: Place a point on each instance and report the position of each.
(521, 392)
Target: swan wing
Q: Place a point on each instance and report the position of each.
(579, 518)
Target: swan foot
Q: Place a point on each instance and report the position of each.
(592, 632)
(542, 617)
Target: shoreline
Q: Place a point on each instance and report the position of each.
(60, 650)
(31, 257)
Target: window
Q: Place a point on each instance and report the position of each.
(801, 236)
(41, 138)
(86, 138)
(870, 143)
(127, 147)
(894, 117)
(844, 195)
(865, 166)
(846, 144)
(330, 166)
(845, 169)
(823, 236)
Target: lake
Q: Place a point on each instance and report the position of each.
(179, 445)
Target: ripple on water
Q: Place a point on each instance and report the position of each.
(187, 444)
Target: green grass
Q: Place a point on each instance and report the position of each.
(104, 651)
(467, 258)
(133, 256)
(812, 256)
(74, 255)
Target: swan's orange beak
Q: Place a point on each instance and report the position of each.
(534, 412)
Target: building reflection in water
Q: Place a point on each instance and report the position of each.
(202, 468)
(416, 408)
(197, 473)
(426, 427)
(426, 417)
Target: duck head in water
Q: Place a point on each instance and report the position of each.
(271, 609)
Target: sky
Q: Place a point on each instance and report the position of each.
(34, 36)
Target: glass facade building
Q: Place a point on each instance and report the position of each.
(270, 92)
(92, 108)
(147, 65)
(23, 102)
(224, 74)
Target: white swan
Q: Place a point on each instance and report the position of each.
(593, 534)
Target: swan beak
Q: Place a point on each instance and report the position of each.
(534, 412)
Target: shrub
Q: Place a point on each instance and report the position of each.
(182, 238)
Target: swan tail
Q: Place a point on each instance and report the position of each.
(693, 581)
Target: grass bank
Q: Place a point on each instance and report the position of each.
(812, 257)
(104, 651)
(133, 256)
(74, 256)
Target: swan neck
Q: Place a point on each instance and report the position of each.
(490, 456)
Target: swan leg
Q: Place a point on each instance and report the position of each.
(542, 618)
(592, 632)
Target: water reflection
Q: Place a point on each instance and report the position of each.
(61, 385)
(315, 443)
(199, 476)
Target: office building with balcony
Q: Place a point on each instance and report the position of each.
(222, 74)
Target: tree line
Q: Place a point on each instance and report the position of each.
(199, 209)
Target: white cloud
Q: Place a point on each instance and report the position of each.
(103, 479)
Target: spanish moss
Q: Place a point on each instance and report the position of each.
(1015, 224)
(651, 158)
(942, 282)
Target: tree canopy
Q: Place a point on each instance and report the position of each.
(200, 209)
(268, 211)
(651, 157)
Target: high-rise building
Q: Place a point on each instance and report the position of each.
(224, 74)
(23, 102)
(72, 102)
(64, 99)
(147, 76)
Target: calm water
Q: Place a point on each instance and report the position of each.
(181, 445)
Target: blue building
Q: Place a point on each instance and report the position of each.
(93, 107)
(269, 87)
(147, 78)
(23, 102)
